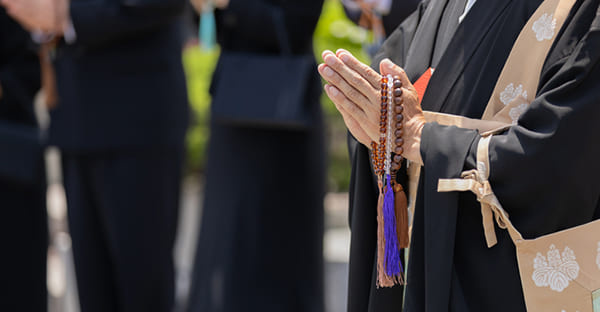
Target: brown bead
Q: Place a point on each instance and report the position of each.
(399, 133)
(381, 140)
(399, 125)
(399, 117)
(399, 150)
(384, 99)
(395, 166)
(399, 109)
(398, 100)
(382, 124)
(398, 92)
(397, 83)
(398, 159)
(384, 111)
(384, 105)
(384, 79)
(384, 86)
(399, 141)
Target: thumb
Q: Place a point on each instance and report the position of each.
(387, 67)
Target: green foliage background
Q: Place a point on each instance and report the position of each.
(334, 31)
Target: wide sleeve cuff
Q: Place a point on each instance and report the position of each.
(448, 149)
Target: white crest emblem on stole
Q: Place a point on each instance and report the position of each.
(556, 271)
(544, 27)
(515, 112)
(510, 93)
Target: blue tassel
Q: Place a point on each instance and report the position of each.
(392, 247)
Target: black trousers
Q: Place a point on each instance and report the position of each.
(123, 210)
(24, 243)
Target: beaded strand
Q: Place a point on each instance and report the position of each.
(398, 109)
(392, 230)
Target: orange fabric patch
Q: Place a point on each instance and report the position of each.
(421, 83)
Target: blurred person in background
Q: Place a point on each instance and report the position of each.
(120, 123)
(389, 12)
(260, 246)
(23, 224)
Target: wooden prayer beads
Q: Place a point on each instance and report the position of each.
(380, 149)
(391, 205)
(387, 153)
(396, 161)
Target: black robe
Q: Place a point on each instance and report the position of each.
(450, 267)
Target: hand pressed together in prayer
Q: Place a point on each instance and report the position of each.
(355, 87)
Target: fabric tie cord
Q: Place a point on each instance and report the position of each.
(476, 181)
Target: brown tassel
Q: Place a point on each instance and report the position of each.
(401, 206)
(383, 280)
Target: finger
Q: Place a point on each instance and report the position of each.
(387, 67)
(351, 123)
(343, 104)
(352, 77)
(373, 77)
(357, 98)
(7, 3)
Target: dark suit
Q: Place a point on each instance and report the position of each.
(261, 241)
(120, 122)
(23, 225)
(450, 266)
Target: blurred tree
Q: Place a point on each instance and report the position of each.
(199, 65)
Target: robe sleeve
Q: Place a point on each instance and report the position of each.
(98, 22)
(545, 169)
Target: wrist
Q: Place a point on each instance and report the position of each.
(414, 131)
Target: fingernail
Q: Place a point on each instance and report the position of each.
(387, 63)
(345, 58)
(328, 71)
(325, 53)
(329, 60)
(334, 91)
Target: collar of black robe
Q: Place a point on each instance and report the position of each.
(452, 64)
(459, 52)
